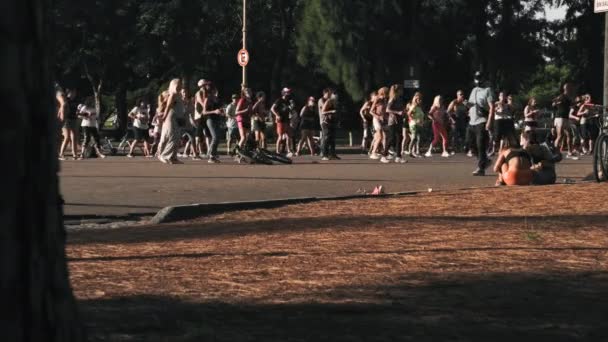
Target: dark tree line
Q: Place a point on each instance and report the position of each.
(118, 50)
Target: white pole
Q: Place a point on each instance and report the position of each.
(244, 84)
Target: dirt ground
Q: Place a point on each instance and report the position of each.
(481, 265)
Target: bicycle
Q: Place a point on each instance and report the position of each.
(251, 154)
(600, 153)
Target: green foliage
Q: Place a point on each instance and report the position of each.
(545, 84)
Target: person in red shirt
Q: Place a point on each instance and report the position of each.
(243, 115)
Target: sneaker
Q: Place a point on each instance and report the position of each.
(407, 153)
(445, 155)
(102, 156)
(429, 154)
(61, 158)
(325, 159)
(452, 153)
(400, 161)
(479, 173)
(213, 161)
(374, 156)
(385, 160)
(129, 156)
(470, 154)
(290, 155)
(163, 160)
(390, 156)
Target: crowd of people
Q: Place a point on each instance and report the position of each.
(393, 128)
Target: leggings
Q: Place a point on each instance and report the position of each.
(440, 132)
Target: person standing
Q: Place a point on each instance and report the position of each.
(395, 110)
(89, 127)
(243, 115)
(481, 113)
(366, 119)
(504, 124)
(170, 135)
(280, 109)
(458, 113)
(140, 116)
(201, 134)
(212, 110)
(231, 126)
(531, 115)
(416, 119)
(308, 116)
(258, 119)
(565, 107)
(439, 119)
(68, 114)
(379, 114)
(329, 124)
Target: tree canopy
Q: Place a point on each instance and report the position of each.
(129, 48)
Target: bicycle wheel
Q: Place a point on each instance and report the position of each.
(244, 156)
(600, 158)
(275, 156)
(260, 158)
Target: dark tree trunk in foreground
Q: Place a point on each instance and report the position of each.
(36, 301)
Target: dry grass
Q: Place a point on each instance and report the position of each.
(481, 265)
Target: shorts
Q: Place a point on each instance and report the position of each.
(140, 134)
(503, 128)
(308, 125)
(562, 124)
(245, 124)
(282, 128)
(259, 126)
(517, 177)
(71, 124)
(531, 124)
(232, 132)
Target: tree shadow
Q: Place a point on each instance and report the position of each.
(460, 307)
(181, 231)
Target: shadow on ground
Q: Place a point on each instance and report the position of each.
(493, 307)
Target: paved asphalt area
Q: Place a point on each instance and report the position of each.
(118, 186)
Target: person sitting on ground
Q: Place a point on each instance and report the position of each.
(543, 159)
(513, 165)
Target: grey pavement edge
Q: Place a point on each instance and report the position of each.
(193, 211)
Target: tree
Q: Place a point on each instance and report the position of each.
(37, 301)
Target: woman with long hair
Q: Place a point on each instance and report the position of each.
(213, 111)
(394, 139)
(416, 117)
(170, 135)
(378, 111)
(367, 119)
(439, 118)
(259, 119)
(69, 118)
(243, 115)
(513, 165)
(308, 117)
(531, 113)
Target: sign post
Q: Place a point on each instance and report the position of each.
(601, 6)
(243, 56)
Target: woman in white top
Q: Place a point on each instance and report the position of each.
(89, 127)
(170, 134)
(140, 116)
(531, 115)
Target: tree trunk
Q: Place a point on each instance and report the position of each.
(97, 97)
(37, 301)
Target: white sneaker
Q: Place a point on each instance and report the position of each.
(290, 155)
(470, 154)
(445, 154)
(407, 153)
(384, 160)
(429, 154)
(398, 160)
(390, 157)
(452, 153)
(374, 156)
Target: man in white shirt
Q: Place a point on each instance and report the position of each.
(89, 127)
(141, 117)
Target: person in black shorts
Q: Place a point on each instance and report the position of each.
(68, 115)
(141, 118)
(504, 125)
(366, 120)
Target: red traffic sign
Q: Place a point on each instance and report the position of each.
(243, 57)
